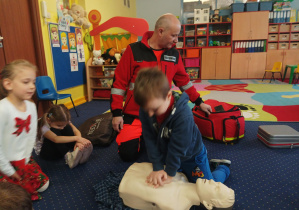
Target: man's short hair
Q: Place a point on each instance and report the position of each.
(13, 196)
(150, 83)
(162, 22)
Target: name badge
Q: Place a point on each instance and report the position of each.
(169, 58)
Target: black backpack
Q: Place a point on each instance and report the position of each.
(99, 129)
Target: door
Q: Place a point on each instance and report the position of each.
(241, 26)
(257, 64)
(208, 64)
(259, 24)
(239, 65)
(20, 28)
(223, 57)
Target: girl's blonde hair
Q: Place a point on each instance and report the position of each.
(10, 70)
(56, 113)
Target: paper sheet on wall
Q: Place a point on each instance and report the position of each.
(64, 24)
(80, 48)
(74, 61)
(72, 42)
(53, 30)
(81, 55)
(64, 41)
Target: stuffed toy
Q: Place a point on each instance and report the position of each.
(65, 13)
(88, 40)
(117, 57)
(79, 14)
(109, 56)
(179, 194)
(97, 59)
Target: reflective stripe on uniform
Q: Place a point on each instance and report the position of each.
(131, 86)
(185, 87)
(117, 91)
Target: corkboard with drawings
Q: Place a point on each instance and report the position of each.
(68, 56)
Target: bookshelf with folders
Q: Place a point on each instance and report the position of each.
(194, 37)
(249, 38)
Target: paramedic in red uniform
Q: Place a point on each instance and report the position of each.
(157, 48)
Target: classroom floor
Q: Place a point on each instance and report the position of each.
(262, 178)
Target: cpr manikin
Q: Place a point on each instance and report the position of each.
(179, 194)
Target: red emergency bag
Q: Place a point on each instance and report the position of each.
(225, 123)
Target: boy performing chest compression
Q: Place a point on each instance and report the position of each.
(171, 136)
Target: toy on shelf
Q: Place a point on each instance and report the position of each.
(79, 14)
(97, 59)
(215, 18)
(109, 56)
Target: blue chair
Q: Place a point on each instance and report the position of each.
(46, 91)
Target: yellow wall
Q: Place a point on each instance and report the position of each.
(108, 9)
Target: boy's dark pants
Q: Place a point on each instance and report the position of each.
(54, 151)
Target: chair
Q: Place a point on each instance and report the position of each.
(276, 69)
(46, 91)
(296, 75)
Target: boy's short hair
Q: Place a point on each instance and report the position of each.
(13, 196)
(150, 83)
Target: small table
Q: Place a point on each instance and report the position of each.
(293, 67)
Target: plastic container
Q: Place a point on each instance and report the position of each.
(266, 6)
(192, 53)
(237, 7)
(190, 42)
(251, 6)
(191, 62)
(192, 72)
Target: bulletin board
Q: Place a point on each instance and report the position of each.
(68, 60)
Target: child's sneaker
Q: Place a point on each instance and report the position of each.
(86, 153)
(73, 158)
(214, 163)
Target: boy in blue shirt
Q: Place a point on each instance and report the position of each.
(170, 134)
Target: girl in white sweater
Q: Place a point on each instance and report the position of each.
(18, 126)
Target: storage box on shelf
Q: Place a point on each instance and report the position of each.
(283, 35)
(286, 47)
(265, 5)
(197, 36)
(99, 80)
(251, 6)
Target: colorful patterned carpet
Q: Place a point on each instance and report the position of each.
(259, 101)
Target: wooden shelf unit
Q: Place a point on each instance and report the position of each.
(249, 27)
(283, 36)
(194, 37)
(94, 75)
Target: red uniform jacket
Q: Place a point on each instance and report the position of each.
(139, 55)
